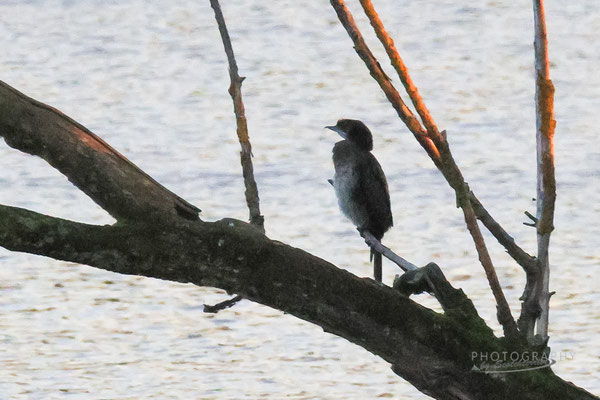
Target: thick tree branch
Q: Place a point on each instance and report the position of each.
(439, 152)
(101, 172)
(433, 351)
(430, 278)
(235, 90)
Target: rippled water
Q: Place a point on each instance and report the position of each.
(151, 79)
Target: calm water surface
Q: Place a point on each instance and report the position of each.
(151, 79)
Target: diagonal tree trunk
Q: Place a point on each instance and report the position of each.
(158, 235)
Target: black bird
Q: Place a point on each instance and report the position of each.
(360, 184)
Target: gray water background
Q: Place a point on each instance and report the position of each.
(150, 78)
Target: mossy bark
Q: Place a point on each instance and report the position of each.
(433, 351)
(159, 235)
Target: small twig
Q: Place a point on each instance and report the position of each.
(524, 259)
(235, 90)
(222, 305)
(504, 314)
(532, 218)
(376, 245)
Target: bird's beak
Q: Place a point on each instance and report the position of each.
(335, 128)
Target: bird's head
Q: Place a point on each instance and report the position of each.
(354, 131)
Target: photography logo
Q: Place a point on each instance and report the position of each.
(503, 362)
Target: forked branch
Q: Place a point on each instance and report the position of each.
(431, 140)
(405, 114)
(399, 66)
(430, 350)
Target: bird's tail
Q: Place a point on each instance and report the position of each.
(376, 258)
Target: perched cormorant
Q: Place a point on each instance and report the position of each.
(360, 184)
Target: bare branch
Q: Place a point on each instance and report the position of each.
(376, 245)
(525, 260)
(503, 310)
(532, 218)
(546, 182)
(101, 172)
(432, 140)
(430, 350)
(400, 67)
(383, 80)
(235, 90)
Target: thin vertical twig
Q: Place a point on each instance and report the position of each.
(431, 139)
(546, 181)
(235, 90)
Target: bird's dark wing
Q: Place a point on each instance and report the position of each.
(373, 190)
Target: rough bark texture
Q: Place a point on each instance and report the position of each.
(432, 351)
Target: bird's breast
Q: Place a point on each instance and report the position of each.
(345, 183)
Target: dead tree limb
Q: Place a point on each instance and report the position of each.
(235, 90)
(431, 140)
(109, 179)
(399, 66)
(537, 304)
(405, 114)
(536, 294)
(432, 351)
(527, 261)
(524, 259)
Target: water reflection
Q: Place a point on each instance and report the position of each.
(150, 78)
